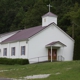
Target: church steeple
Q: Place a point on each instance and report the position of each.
(49, 18)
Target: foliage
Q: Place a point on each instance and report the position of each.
(19, 14)
(74, 16)
(9, 61)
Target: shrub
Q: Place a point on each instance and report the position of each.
(9, 61)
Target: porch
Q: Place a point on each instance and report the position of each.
(53, 48)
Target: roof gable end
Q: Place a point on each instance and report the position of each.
(62, 31)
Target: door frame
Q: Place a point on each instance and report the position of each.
(53, 55)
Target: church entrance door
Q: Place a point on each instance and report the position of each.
(54, 54)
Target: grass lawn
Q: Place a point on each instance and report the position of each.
(58, 70)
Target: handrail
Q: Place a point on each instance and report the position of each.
(44, 58)
(61, 58)
(38, 59)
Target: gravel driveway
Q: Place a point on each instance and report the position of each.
(4, 79)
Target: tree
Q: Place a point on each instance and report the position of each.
(74, 16)
(33, 16)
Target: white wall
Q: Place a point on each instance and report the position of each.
(47, 20)
(39, 41)
(17, 46)
(5, 36)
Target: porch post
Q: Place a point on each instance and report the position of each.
(51, 53)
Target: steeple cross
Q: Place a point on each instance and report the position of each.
(49, 7)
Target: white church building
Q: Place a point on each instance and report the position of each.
(46, 42)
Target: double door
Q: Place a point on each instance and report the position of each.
(54, 54)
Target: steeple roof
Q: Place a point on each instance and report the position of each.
(49, 14)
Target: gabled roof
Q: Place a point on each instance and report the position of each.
(27, 33)
(49, 14)
(55, 42)
(24, 34)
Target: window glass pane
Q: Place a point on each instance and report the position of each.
(44, 19)
(13, 51)
(5, 52)
(22, 50)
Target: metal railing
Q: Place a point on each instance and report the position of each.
(61, 58)
(38, 59)
(44, 59)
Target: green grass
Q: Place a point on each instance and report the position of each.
(68, 70)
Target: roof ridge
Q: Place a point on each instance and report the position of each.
(31, 27)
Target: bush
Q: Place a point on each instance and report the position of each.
(9, 61)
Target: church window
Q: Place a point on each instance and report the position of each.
(5, 52)
(22, 50)
(44, 19)
(13, 51)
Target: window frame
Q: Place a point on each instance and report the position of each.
(44, 19)
(23, 48)
(12, 51)
(4, 51)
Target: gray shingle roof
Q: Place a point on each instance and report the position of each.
(24, 34)
(27, 33)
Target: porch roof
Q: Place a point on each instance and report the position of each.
(55, 44)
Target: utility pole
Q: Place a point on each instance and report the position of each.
(72, 30)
